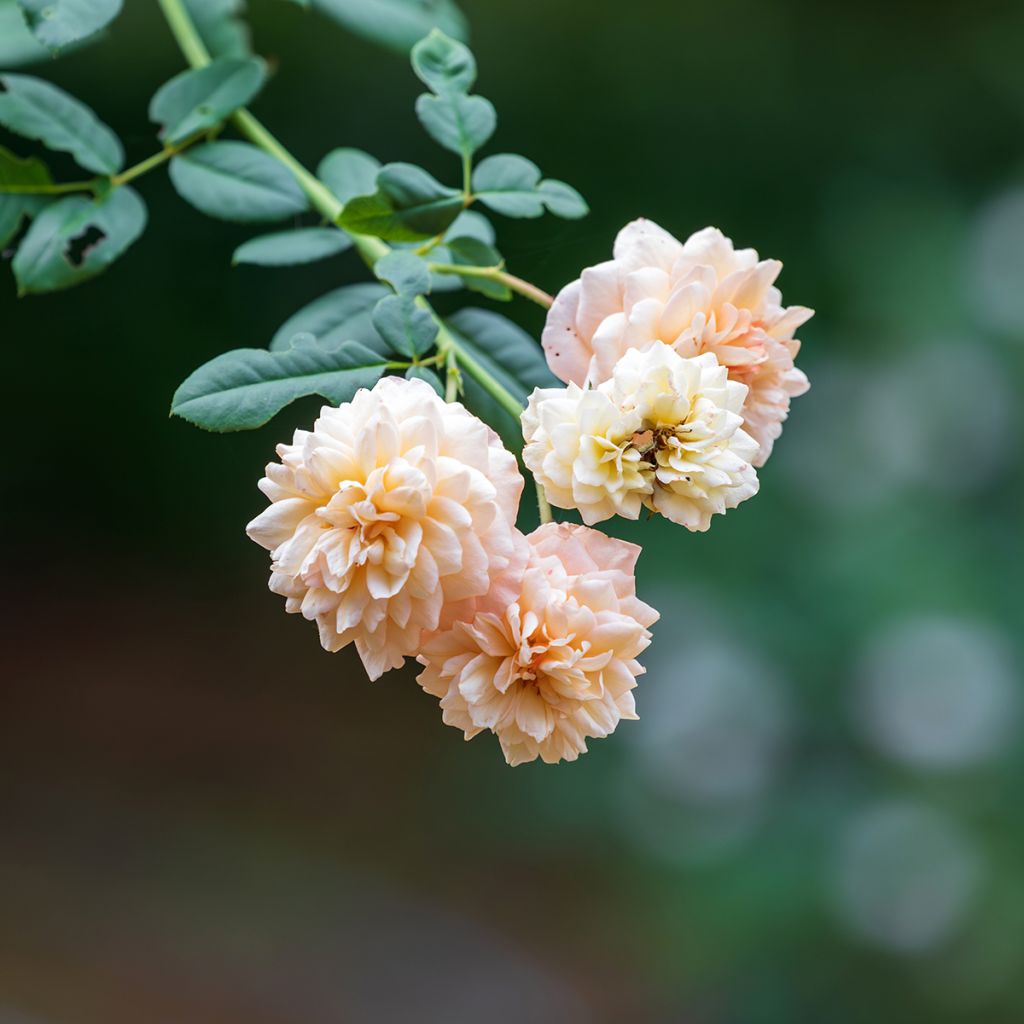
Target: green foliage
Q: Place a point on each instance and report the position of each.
(406, 327)
(200, 98)
(471, 224)
(471, 252)
(19, 172)
(77, 238)
(243, 389)
(236, 181)
(56, 23)
(509, 355)
(459, 122)
(17, 44)
(409, 205)
(427, 374)
(395, 23)
(287, 248)
(340, 315)
(13, 207)
(220, 26)
(512, 185)
(349, 173)
(406, 272)
(35, 109)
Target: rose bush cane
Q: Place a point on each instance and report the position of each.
(392, 523)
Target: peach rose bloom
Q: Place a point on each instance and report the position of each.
(390, 519)
(699, 296)
(556, 665)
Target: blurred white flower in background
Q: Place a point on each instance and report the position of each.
(937, 693)
(941, 416)
(711, 740)
(905, 876)
(996, 267)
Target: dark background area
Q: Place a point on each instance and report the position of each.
(818, 818)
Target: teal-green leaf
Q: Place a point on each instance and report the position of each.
(471, 252)
(461, 124)
(288, 248)
(244, 388)
(203, 97)
(427, 374)
(409, 205)
(512, 185)
(16, 172)
(35, 109)
(349, 173)
(56, 23)
(236, 181)
(221, 27)
(408, 329)
(471, 224)
(17, 45)
(395, 23)
(444, 64)
(77, 238)
(510, 355)
(341, 315)
(406, 272)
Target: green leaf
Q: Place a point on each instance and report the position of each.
(471, 252)
(409, 205)
(287, 248)
(512, 185)
(203, 97)
(406, 272)
(35, 109)
(340, 315)
(17, 44)
(427, 374)
(404, 326)
(18, 171)
(471, 224)
(510, 355)
(444, 64)
(243, 389)
(349, 173)
(236, 181)
(462, 124)
(77, 238)
(56, 23)
(395, 23)
(218, 23)
(14, 171)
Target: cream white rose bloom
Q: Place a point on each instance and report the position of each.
(556, 664)
(664, 433)
(390, 519)
(699, 296)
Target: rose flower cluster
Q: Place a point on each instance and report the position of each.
(392, 523)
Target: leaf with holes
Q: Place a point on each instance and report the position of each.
(408, 329)
(203, 97)
(512, 185)
(244, 388)
(409, 205)
(349, 173)
(340, 315)
(56, 23)
(237, 181)
(395, 23)
(289, 248)
(77, 238)
(35, 109)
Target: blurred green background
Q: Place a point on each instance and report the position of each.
(818, 817)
